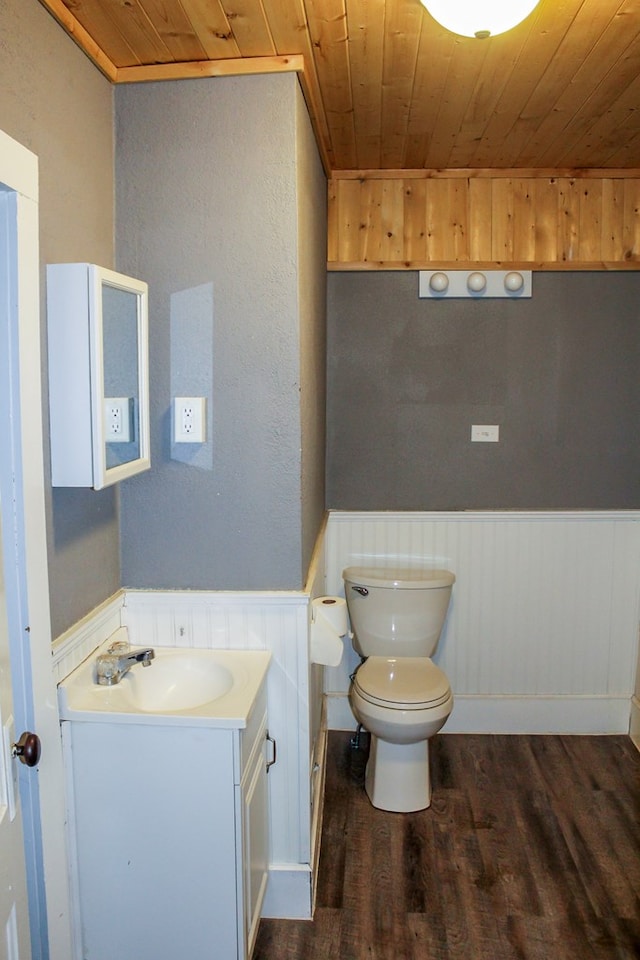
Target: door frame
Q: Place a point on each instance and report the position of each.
(23, 484)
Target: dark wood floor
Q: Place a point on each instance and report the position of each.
(530, 851)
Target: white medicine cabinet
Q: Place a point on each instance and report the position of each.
(98, 336)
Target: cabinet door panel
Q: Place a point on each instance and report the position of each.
(154, 835)
(255, 833)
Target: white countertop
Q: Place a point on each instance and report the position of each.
(141, 696)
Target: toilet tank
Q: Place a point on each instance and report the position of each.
(396, 612)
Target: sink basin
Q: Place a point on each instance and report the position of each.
(189, 686)
(176, 681)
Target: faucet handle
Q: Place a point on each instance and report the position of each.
(119, 647)
(107, 669)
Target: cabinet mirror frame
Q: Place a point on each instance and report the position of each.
(99, 279)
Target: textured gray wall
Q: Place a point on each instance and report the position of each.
(207, 200)
(407, 378)
(312, 285)
(55, 102)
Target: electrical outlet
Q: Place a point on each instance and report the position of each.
(189, 420)
(117, 419)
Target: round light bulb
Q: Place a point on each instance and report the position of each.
(513, 281)
(439, 282)
(476, 282)
(479, 18)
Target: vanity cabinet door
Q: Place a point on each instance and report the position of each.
(252, 797)
(154, 837)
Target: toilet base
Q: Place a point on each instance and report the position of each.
(397, 777)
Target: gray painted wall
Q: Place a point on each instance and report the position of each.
(208, 187)
(408, 377)
(55, 102)
(230, 233)
(312, 296)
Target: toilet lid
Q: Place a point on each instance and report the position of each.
(408, 683)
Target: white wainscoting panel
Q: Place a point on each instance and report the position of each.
(545, 605)
(79, 642)
(316, 587)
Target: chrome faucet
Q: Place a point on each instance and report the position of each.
(118, 660)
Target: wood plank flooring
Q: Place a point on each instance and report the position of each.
(530, 851)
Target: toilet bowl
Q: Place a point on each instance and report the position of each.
(402, 703)
(397, 693)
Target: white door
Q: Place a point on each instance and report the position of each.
(14, 917)
(26, 587)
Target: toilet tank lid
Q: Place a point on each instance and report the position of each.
(399, 578)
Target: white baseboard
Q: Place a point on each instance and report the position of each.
(288, 894)
(634, 725)
(471, 714)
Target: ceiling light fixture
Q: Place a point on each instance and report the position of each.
(479, 18)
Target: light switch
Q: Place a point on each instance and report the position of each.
(485, 433)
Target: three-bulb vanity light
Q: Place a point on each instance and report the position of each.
(446, 284)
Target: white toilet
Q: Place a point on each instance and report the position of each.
(398, 694)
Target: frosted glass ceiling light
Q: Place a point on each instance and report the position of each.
(439, 282)
(514, 281)
(479, 18)
(476, 282)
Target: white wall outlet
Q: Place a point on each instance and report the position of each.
(190, 419)
(485, 433)
(118, 419)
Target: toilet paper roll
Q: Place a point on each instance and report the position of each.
(334, 611)
(328, 625)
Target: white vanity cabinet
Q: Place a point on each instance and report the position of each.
(98, 346)
(169, 836)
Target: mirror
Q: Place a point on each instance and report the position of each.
(121, 420)
(121, 388)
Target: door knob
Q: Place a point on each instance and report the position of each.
(27, 749)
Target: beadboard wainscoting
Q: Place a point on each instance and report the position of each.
(542, 631)
(316, 586)
(275, 621)
(79, 642)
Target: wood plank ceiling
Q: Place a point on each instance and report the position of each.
(388, 88)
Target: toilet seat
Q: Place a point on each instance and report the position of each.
(404, 683)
